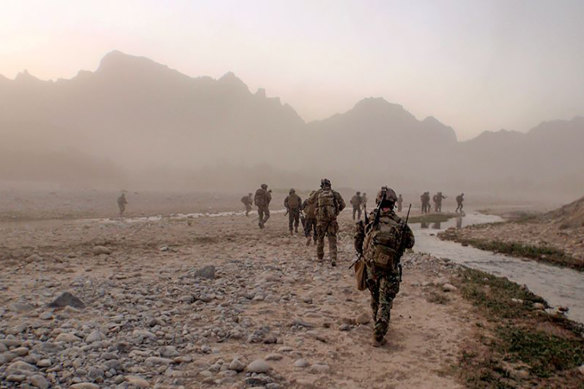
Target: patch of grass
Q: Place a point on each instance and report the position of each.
(437, 298)
(546, 254)
(521, 346)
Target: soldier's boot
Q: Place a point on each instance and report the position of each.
(332, 240)
(378, 341)
(291, 232)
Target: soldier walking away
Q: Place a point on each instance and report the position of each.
(247, 201)
(381, 243)
(459, 200)
(122, 202)
(400, 201)
(356, 201)
(262, 199)
(437, 198)
(329, 204)
(309, 209)
(364, 202)
(293, 204)
(425, 198)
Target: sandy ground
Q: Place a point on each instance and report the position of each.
(150, 320)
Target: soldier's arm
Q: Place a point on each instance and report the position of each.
(410, 240)
(340, 201)
(286, 202)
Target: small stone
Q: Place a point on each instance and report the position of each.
(273, 357)
(301, 363)
(20, 367)
(258, 366)
(449, 288)
(94, 336)
(98, 250)
(207, 272)
(137, 381)
(39, 381)
(538, 306)
(20, 351)
(15, 377)
(236, 365)
(84, 385)
(153, 361)
(363, 318)
(319, 368)
(67, 338)
(345, 327)
(67, 299)
(44, 363)
(168, 352)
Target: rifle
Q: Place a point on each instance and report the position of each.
(402, 246)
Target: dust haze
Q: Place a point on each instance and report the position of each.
(134, 123)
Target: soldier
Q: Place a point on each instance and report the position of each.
(293, 204)
(356, 203)
(329, 204)
(247, 201)
(427, 201)
(122, 202)
(459, 200)
(400, 201)
(309, 210)
(437, 198)
(381, 243)
(262, 199)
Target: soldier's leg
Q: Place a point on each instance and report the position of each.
(359, 214)
(373, 287)
(320, 233)
(261, 217)
(296, 220)
(388, 289)
(290, 220)
(266, 214)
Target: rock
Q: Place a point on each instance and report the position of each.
(67, 299)
(44, 363)
(449, 287)
(21, 367)
(517, 301)
(34, 258)
(98, 250)
(273, 357)
(143, 334)
(236, 365)
(538, 306)
(137, 381)
(67, 338)
(258, 366)
(20, 351)
(153, 361)
(301, 363)
(345, 327)
(169, 352)
(15, 378)
(94, 336)
(84, 385)
(207, 272)
(363, 318)
(39, 381)
(581, 369)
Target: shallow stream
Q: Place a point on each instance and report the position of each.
(558, 286)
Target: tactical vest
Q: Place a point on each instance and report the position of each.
(260, 198)
(382, 244)
(326, 205)
(293, 201)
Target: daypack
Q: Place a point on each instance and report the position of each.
(260, 198)
(293, 202)
(383, 244)
(326, 205)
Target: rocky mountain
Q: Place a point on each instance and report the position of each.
(152, 124)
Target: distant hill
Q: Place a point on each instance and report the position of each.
(569, 216)
(153, 125)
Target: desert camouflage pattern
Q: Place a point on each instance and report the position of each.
(293, 204)
(327, 226)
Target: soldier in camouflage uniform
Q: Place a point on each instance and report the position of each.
(356, 203)
(438, 197)
(459, 200)
(122, 202)
(328, 204)
(309, 210)
(247, 201)
(293, 204)
(383, 282)
(262, 199)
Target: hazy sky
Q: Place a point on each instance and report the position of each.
(474, 65)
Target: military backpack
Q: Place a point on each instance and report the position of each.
(382, 244)
(326, 205)
(293, 201)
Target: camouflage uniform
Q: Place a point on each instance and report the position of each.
(438, 197)
(326, 224)
(262, 200)
(425, 198)
(293, 204)
(459, 200)
(309, 219)
(247, 201)
(356, 203)
(383, 284)
(122, 204)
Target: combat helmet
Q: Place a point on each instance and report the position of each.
(390, 196)
(292, 190)
(264, 186)
(358, 192)
(325, 183)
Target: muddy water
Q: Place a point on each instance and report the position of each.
(558, 286)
